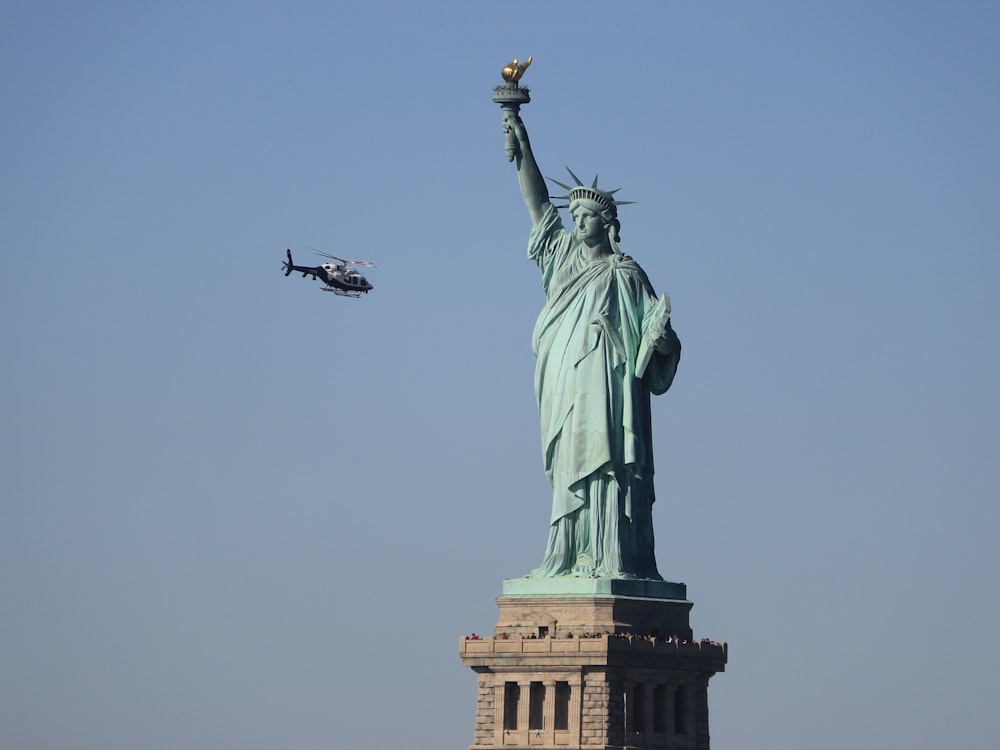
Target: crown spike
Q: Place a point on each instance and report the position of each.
(563, 185)
(578, 182)
(594, 183)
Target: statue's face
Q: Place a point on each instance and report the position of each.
(589, 225)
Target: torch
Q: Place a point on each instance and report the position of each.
(511, 96)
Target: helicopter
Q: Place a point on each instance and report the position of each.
(339, 279)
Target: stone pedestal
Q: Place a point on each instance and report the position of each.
(592, 667)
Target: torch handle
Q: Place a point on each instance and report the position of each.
(510, 146)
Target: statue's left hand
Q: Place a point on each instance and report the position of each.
(658, 339)
(660, 333)
(667, 342)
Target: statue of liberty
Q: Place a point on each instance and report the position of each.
(604, 344)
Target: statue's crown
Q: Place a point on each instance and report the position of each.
(582, 192)
(604, 198)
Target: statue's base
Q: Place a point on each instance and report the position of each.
(592, 664)
(559, 607)
(573, 586)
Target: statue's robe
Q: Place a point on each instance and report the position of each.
(595, 341)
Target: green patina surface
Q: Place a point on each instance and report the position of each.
(604, 344)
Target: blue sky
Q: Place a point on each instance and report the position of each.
(240, 513)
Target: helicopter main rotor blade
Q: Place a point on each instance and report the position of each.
(364, 263)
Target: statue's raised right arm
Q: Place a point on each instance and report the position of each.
(536, 195)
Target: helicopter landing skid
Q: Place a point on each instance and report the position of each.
(342, 293)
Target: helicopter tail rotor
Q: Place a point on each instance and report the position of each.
(288, 264)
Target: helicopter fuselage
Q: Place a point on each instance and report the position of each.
(338, 279)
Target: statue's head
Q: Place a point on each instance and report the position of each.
(608, 214)
(599, 201)
(596, 200)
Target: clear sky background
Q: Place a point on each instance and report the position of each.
(239, 513)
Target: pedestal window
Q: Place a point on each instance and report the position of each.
(511, 697)
(536, 706)
(561, 718)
